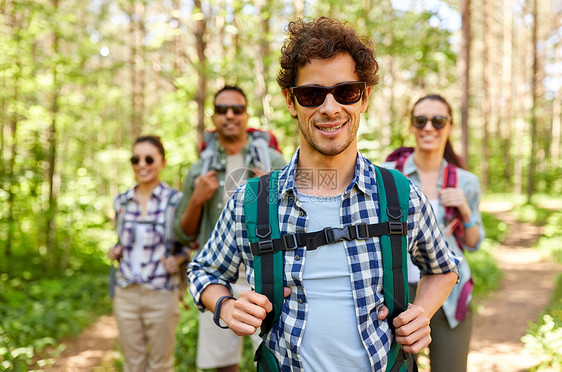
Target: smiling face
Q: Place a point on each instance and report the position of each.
(230, 126)
(429, 139)
(331, 128)
(147, 174)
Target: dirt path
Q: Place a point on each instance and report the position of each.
(502, 318)
(500, 322)
(91, 351)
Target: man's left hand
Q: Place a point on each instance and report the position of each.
(412, 329)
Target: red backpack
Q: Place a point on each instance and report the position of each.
(452, 216)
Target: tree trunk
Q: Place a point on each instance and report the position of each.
(556, 103)
(262, 65)
(534, 93)
(136, 65)
(50, 231)
(507, 91)
(485, 95)
(179, 61)
(200, 46)
(464, 64)
(520, 104)
(299, 8)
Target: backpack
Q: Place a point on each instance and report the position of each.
(452, 216)
(267, 245)
(262, 141)
(171, 205)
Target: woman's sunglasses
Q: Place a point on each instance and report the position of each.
(236, 109)
(148, 160)
(438, 121)
(314, 95)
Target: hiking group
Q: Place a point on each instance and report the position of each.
(329, 262)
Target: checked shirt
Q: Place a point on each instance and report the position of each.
(154, 274)
(228, 247)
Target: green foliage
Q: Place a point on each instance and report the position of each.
(532, 213)
(37, 311)
(496, 229)
(551, 242)
(544, 339)
(186, 343)
(484, 267)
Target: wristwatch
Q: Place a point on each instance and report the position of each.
(217, 313)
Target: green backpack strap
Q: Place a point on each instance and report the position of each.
(262, 225)
(394, 195)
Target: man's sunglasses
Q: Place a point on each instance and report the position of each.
(438, 121)
(346, 93)
(236, 109)
(148, 160)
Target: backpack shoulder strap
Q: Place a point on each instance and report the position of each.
(394, 195)
(171, 205)
(399, 157)
(262, 225)
(259, 151)
(394, 191)
(120, 212)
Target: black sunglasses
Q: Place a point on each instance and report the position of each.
(346, 93)
(148, 160)
(438, 121)
(236, 109)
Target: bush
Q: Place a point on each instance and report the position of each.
(544, 339)
(186, 343)
(37, 312)
(484, 267)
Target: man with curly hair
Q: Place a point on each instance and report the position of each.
(333, 317)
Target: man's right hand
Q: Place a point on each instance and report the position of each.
(245, 315)
(115, 252)
(205, 186)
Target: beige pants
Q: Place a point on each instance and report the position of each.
(218, 347)
(147, 321)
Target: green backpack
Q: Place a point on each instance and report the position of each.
(267, 244)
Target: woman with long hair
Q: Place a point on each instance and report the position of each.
(454, 194)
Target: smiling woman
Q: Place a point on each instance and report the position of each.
(146, 300)
(454, 194)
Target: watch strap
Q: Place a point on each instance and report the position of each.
(217, 313)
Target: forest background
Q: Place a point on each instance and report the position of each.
(80, 80)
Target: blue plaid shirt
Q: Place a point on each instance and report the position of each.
(228, 247)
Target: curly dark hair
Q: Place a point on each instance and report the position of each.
(324, 38)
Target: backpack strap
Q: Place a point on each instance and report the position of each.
(120, 213)
(169, 214)
(399, 157)
(120, 220)
(393, 192)
(259, 151)
(262, 223)
(262, 227)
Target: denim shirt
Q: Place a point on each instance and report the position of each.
(470, 185)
